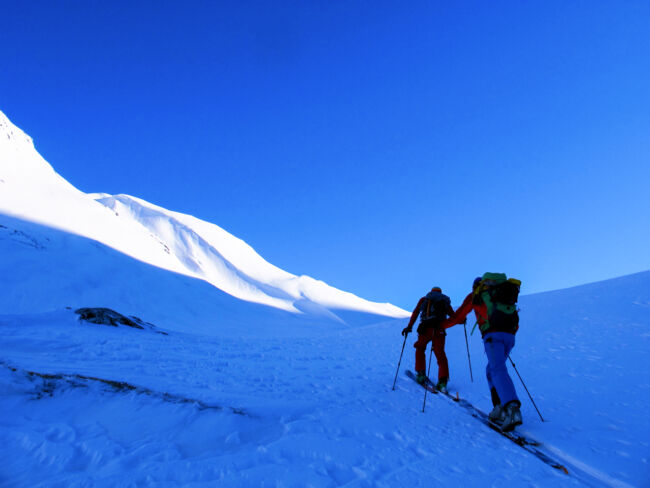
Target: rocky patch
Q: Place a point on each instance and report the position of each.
(106, 316)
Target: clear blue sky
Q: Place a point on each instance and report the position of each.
(383, 147)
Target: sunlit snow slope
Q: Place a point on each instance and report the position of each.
(318, 410)
(31, 192)
(259, 380)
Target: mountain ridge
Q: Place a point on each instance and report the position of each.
(34, 192)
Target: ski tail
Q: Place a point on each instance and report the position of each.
(427, 385)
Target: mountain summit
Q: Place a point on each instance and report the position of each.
(37, 202)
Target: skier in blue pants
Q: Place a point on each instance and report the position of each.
(497, 348)
(498, 340)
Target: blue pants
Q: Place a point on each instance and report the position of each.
(497, 347)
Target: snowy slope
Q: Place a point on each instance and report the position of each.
(318, 410)
(209, 252)
(261, 381)
(33, 193)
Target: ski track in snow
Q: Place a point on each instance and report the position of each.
(320, 412)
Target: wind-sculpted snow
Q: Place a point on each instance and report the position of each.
(50, 269)
(31, 191)
(209, 252)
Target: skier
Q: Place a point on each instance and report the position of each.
(433, 310)
(498, 340)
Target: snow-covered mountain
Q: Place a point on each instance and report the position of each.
(89, 405)
(259, 380)
(51, 225)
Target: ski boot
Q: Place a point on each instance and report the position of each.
(497, 414)
(511, 416)
(442, 385)
(421, 377)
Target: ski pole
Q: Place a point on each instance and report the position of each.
(400, 361)
(426, 390)
(529, 395)
(468, 358)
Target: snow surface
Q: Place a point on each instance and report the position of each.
(246, 393)
(317, 409)
(32, 191)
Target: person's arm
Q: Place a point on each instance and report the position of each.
(414, 317)
(459, 316)
(416, 312)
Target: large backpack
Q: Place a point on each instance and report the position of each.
(435, 307)
(499, 294)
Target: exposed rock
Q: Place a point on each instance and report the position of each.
(47, 384)
(106, 316)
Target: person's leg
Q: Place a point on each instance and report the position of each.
(488, 376)
(493, 391)
(441, 357)
(420, 351)
(497, 347)
(496, 415)
(495, 396)
(511, 413)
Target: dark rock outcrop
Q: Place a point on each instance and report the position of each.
(106, 316)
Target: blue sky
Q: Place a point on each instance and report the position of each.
(382, 147)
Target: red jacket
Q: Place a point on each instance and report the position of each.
(461, 313)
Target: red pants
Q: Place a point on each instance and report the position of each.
(438, 338)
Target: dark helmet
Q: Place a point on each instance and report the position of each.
(437, 288)
(477, 280)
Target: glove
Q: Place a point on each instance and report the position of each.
(407, 331)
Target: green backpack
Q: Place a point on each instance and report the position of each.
(499, 294)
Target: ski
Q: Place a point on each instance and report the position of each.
(522, 441)
(428, 385)
(513, 435)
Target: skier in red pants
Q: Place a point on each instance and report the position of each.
(433, 309)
